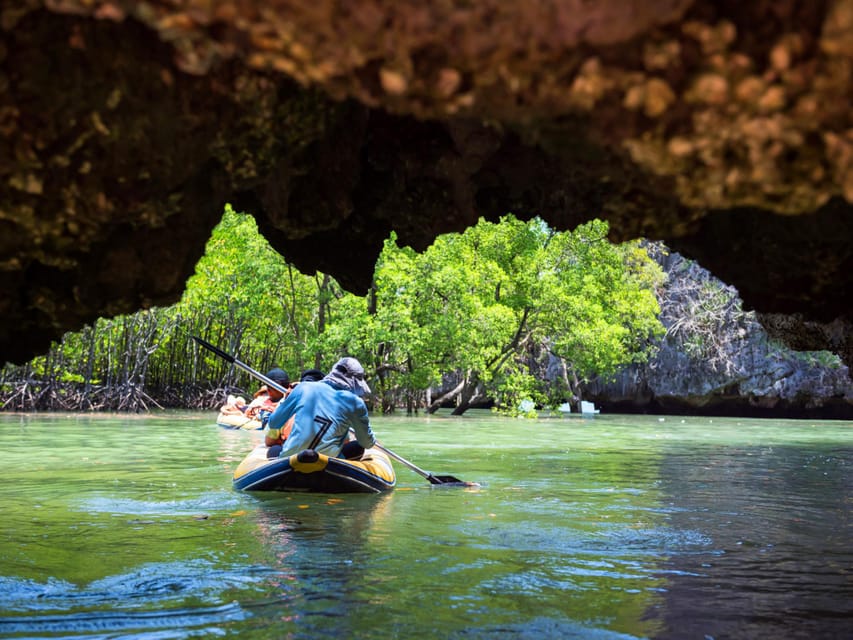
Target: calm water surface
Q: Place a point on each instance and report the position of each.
(606, 527)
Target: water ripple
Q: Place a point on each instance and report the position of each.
(147, 586)
(166, 624)
(213, 501)
(658, 539)
(616, 540)
(542, 628)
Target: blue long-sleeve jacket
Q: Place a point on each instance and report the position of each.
(324, 416)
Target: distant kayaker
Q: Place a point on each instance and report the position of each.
(325, 411)
(264, 402)
(234, 406)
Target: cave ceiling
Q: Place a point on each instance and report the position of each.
(721, 128)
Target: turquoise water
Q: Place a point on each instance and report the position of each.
(606, 527)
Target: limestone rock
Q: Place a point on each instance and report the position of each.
(717, 359)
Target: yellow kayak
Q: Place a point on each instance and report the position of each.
(233, 421)
(312, 471)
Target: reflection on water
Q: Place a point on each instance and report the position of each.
(147, 585)
(612, 527)
(778, 556)
(215, 500)
(318, 547)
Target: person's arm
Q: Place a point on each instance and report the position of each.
(279, 435)
(272, 437)
(361, 425)
(283, 412)
(251, 410)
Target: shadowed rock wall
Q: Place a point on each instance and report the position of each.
(722, 128)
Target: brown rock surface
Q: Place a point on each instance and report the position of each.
(724, 128)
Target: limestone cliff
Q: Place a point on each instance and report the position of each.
(717, 359)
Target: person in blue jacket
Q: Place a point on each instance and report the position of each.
(273, 437)
(325, 411)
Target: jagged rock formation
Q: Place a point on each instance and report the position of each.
(722, 128)
(717, 359)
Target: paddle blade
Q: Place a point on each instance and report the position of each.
(450, 481)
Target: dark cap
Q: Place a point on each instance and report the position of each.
(279, 375)
(311, 375)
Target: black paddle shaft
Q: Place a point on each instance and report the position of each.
(204, 343)
(229, 358)
(449, 481)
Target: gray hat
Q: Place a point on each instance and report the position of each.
(348, 374)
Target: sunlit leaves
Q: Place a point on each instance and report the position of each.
(474, 302)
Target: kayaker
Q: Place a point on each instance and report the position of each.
(274, 437)
(325, 411)
(267, 398)
(234, 406)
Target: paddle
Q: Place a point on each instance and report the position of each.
(442, 480)
(229, 358)
(447, 481)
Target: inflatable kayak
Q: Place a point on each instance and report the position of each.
(312, 471)
(233, 421)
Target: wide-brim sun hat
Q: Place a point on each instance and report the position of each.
(349, 373)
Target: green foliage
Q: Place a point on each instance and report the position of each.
(479, 305)
(256, 305)
(599, 300)
(824, 359)
(518, 395)
(475, 302)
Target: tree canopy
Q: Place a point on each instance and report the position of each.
(488, 315)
